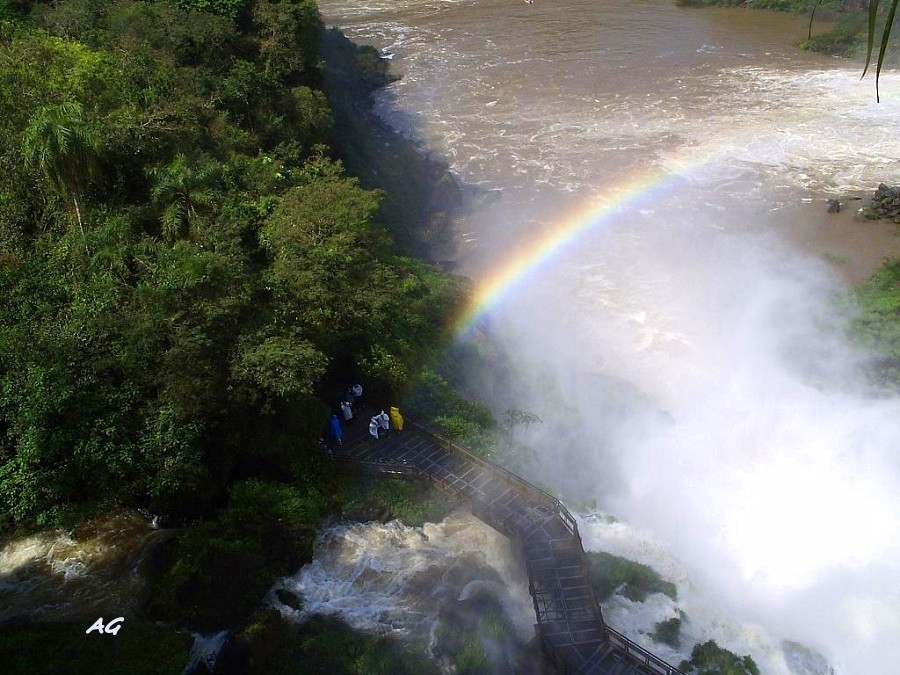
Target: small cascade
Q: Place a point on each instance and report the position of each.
(204, 653)
(57, 575)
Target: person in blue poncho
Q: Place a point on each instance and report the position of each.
(335, 430)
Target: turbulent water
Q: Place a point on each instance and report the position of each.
(748, 463)
(58, 575)
(412, 582)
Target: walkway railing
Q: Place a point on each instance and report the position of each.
(542, 535)
(532, 490)
(641, 654)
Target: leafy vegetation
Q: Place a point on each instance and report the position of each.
(843, 39)
(269, 645)
(872, 30)
(216, 572)
(476, 636)
(709, 658)
(668, 632)
(613, 574)
(413, 501)
(184, 267)
(24, 649)
(878, 325)
(468, 422)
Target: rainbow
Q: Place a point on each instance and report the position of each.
(526, 262)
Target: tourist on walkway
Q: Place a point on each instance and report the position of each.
(347, 411)
(396, 418)
(384, 421)
(373, 429)
(357, 391)
(350, 397)
(335, 430)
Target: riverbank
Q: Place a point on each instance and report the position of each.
(840, 28)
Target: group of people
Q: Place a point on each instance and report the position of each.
(352, 398)
(382, 422)
(350, 404)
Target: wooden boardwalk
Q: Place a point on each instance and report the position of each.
(569, 624)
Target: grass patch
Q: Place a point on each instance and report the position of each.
(53, 648)
(476, 636)
(611, 574)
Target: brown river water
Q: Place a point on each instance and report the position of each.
(553, 103)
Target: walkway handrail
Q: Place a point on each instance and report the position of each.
(660, 666)
(407, 470)
(487, 512)
(554, 503)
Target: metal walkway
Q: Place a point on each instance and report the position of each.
(569, 624)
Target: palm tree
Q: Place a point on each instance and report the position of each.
(181, 190)
(60, 143)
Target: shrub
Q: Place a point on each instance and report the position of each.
(667, 631)
(611, 574)
(217, 572)
(842, 40)
(709, 658)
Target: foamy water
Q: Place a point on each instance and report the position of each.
(56, 574)
(394, 579)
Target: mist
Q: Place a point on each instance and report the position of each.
(695, 379)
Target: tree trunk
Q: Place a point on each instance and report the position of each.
(80, 224)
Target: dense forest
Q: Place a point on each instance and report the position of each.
(185, 270)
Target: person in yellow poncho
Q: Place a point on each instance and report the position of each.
(396, 418)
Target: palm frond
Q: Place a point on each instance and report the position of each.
(885, 36)
(870, 41)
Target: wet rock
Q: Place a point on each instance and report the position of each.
(834, 206)
(885, 203)
(289, 598)
(445, 194)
